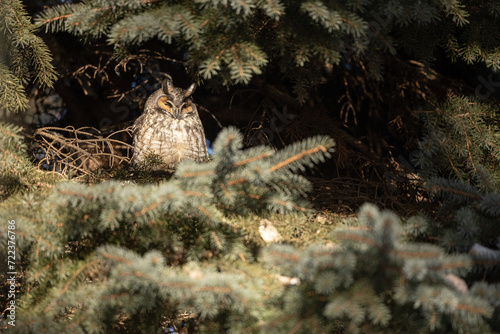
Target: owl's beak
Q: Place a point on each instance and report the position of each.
(177, 113)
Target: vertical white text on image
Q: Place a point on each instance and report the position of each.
(11, 274)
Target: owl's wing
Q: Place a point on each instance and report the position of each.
(139, 129)
(138, 124)
(197, 144)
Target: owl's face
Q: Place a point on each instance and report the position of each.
(173, 101)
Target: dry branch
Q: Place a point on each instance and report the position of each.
(83, 150)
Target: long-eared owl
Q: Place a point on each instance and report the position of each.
(169, 127)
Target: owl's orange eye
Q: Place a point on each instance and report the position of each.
(164, 104)
(188, 107)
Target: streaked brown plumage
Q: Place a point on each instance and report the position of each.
(169, 127)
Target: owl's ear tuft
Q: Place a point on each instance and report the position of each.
(167, 85)
(190, 90)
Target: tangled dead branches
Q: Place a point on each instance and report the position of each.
(81, 151)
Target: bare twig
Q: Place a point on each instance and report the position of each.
(83, 150)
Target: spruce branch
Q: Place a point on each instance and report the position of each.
(456, 190)
(264, 177)
(22, 48)
(272, 8)
(311, 151)
(163, 23)
(490, 204)
(459, 160)
(321, 14)
(490, 292)
(189, 288)
(12, 147)
(457, 11)
(12, 94)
